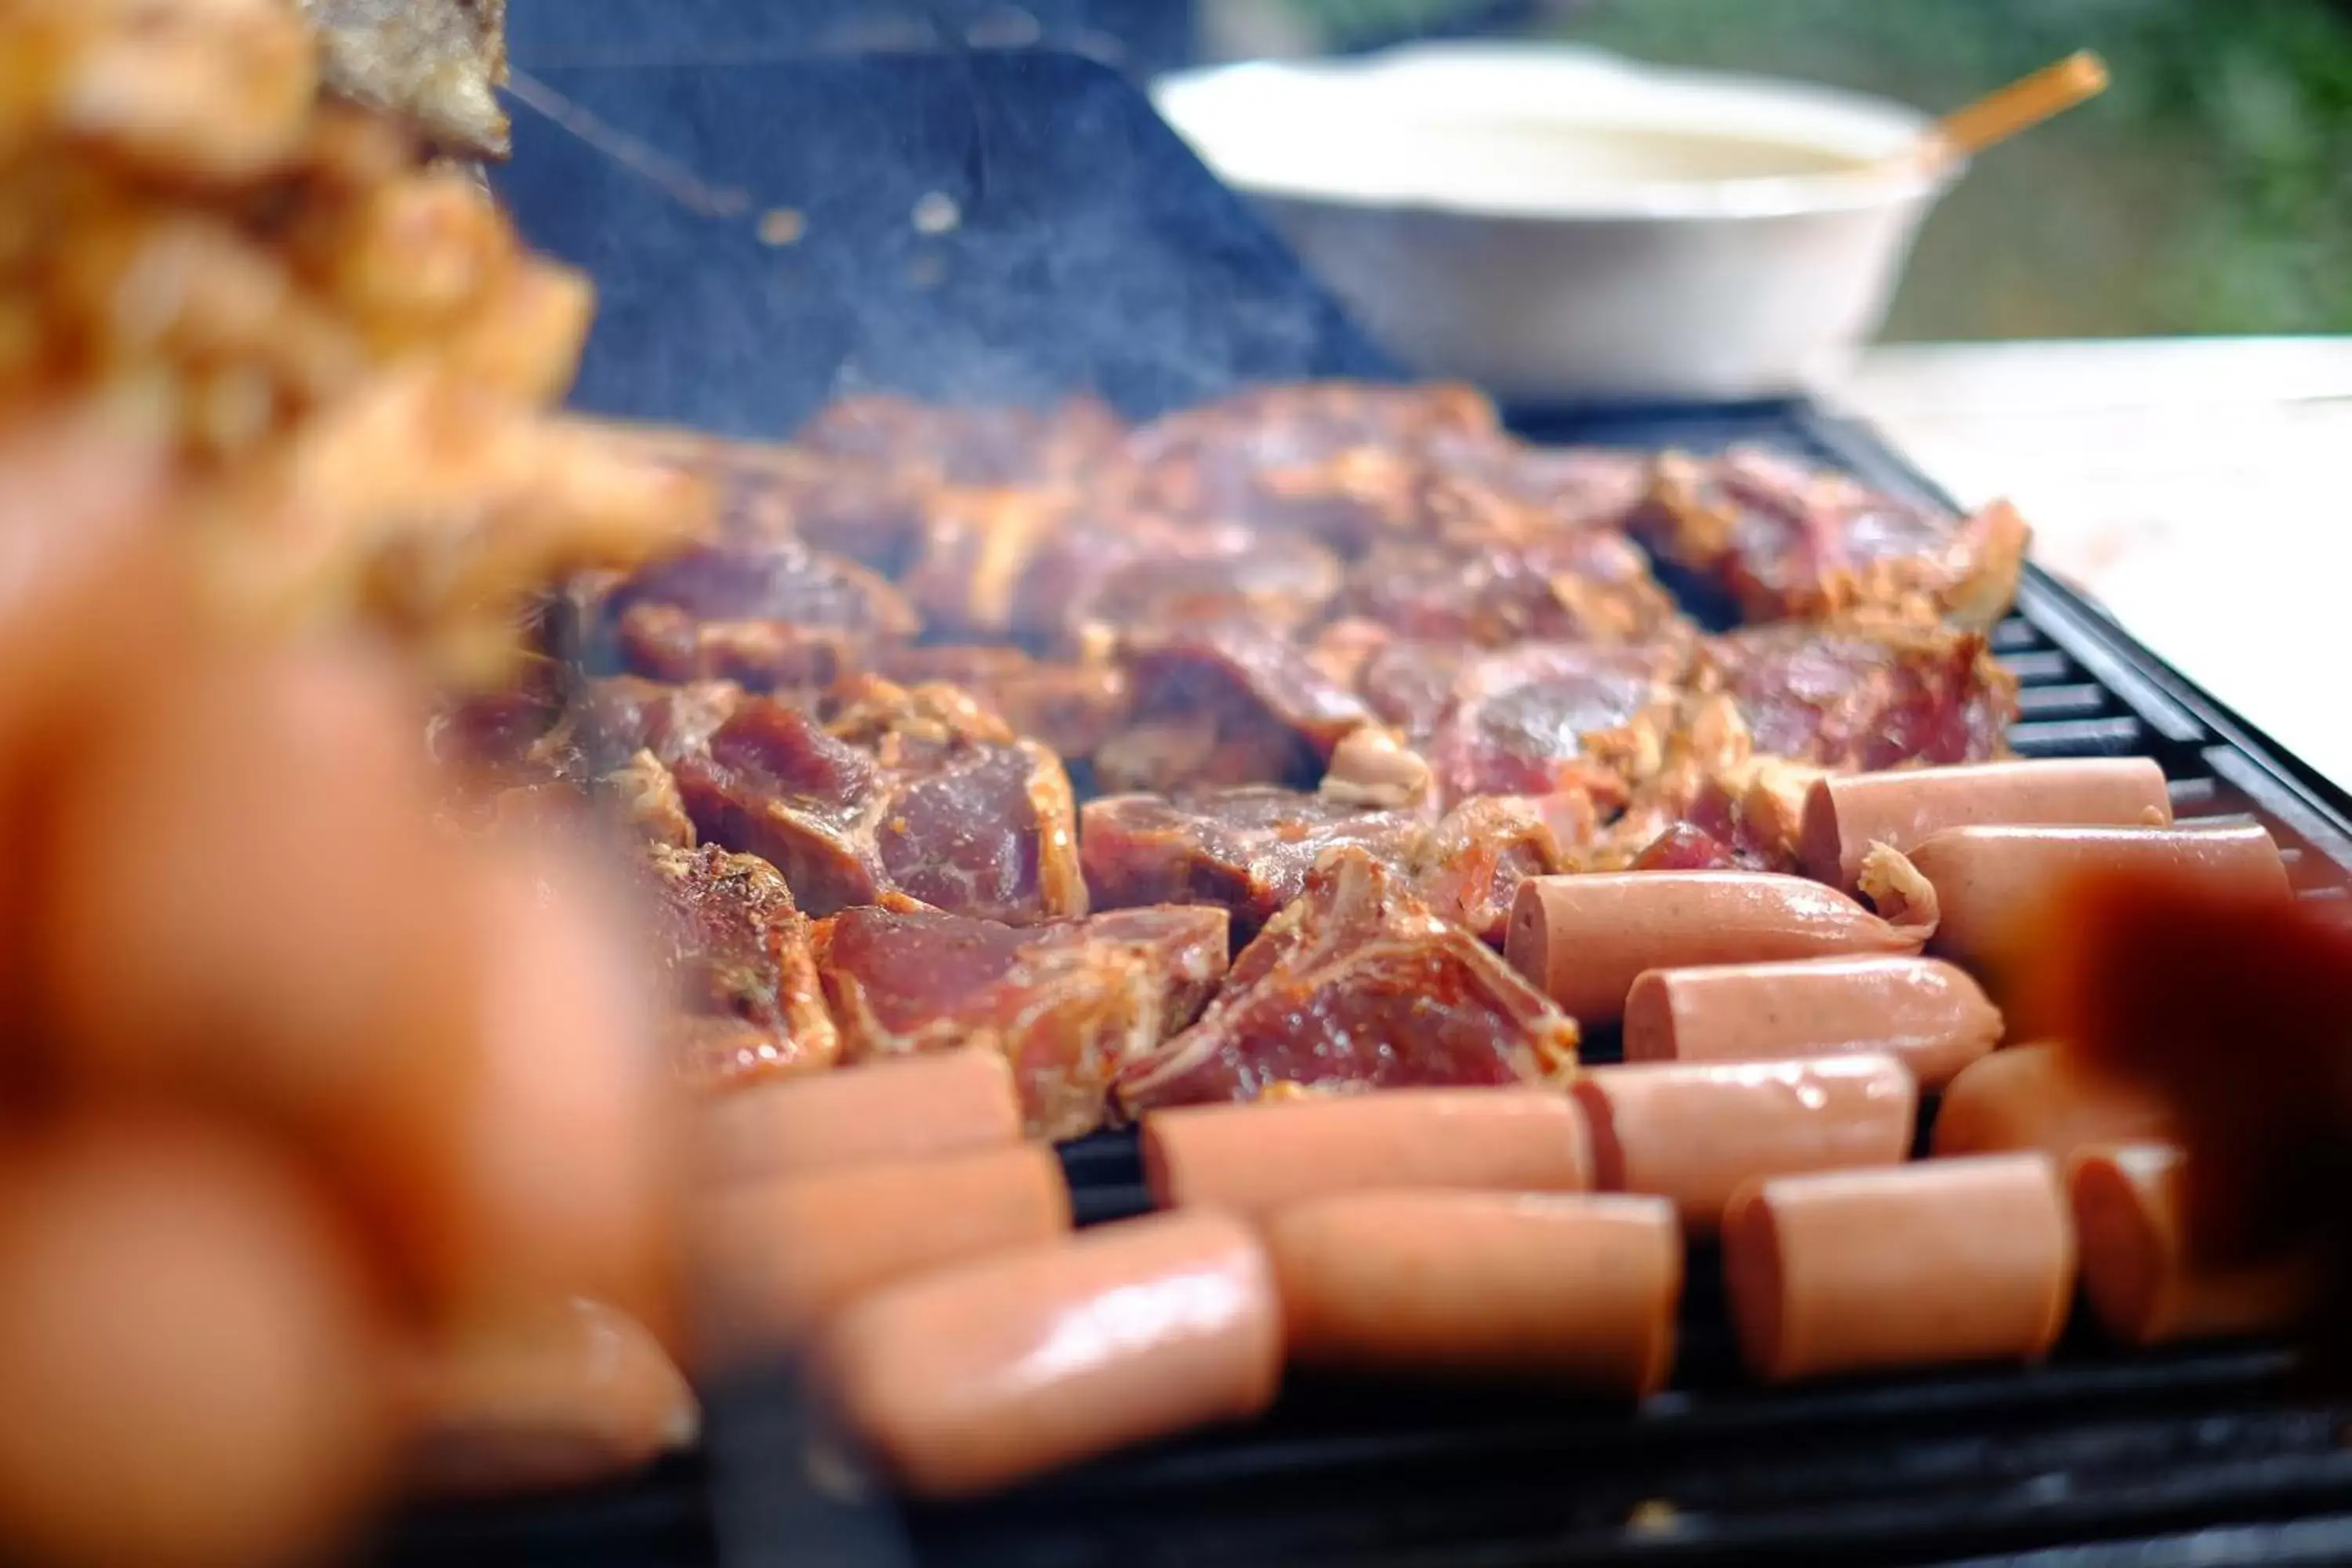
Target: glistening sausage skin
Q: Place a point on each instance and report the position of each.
(2034, 1099)
(950, 1103)
(1577, 1292)
(1928, 1014)
(968, 1380)
(1695, 1132)
(1583, 938)
(1921, 1265)
(1251, 1158)
(1844, 815)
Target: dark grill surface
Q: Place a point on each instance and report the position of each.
(2202, 1456)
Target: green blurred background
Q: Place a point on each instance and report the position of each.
(2209, 191)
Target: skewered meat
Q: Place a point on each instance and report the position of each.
(916, 793)
(1230, 702)
(738, 953)
(1247, 850)
(1587, 585)
(1865, 694)
(775, 616)
(1793, 542)
(1357, 985)
(1069, 1003)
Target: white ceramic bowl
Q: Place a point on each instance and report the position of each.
(1555, 223)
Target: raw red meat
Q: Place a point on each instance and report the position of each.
(1545, 716)
(1357, 985)
(1228, 703)
(1865, 694)
(920, 794)
(614, 718)
(737, 952)
(774, 615)
(1794, 542)
(1469, 865)
(1589, 586)
(1071, 706)
(1485, 487)
(1245, 849)
(1069, 1003)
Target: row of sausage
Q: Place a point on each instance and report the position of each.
(924, 1259)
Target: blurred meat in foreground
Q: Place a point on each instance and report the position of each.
(2235, 1007)
(437, 62)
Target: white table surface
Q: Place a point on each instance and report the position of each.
(2200, 489)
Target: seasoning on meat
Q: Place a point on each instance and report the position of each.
(738, 953)
(1796, 543)
(906, 793)
(1231, 702)
(1069, 1003)
(1587, 585)
(775, 616)
(1544, 717)
(1357, 985)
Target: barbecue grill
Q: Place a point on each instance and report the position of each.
(1088, 249)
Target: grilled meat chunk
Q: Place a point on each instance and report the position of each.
(1069, 1003)
(736, 949)
(1229, 702)
(1357, 985)
(775, 616)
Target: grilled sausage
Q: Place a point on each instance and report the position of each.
(1844, 815)
(1578, 1291)
(2142, 1284)
(578, 1396)
(1250, 1158)
(2034, 1100)
(1950, 1260)
(954, 1103)
(967, 1379)
(779, 1256)
(1930, 1016)
(1991, 882)
(1695, 1132)
(1583, 938)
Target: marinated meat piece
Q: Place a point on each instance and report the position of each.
(647, 796)
(1071, 709)
(1069, 1003)
(1795, 542)
(1337, 459)
(1484, 487)
(1545, 716)
(737, 951)
(770, 782)
(1373, 767)
(616, 717)
(1230, 702)
(1247, 850)
(775, 616)
(1583, 586)
(1865, 694)
(1407, 684)
(1357, 985)
(1686, 847)
(1214, 572)
(939, 804)
(1468, 867)
(979, 549)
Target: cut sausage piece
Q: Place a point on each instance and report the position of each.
(779, 1257)
(1575, 1292)
(2142, 1284)
(1991, 883)
(1583, 938)
(968, 1380)
(581, 1396)
(1251, 1158)
(2038, 1099)
(1947, 1261)
(1695, 1132)
(1846, 813)
(950, 1103)
(1926, 1014)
